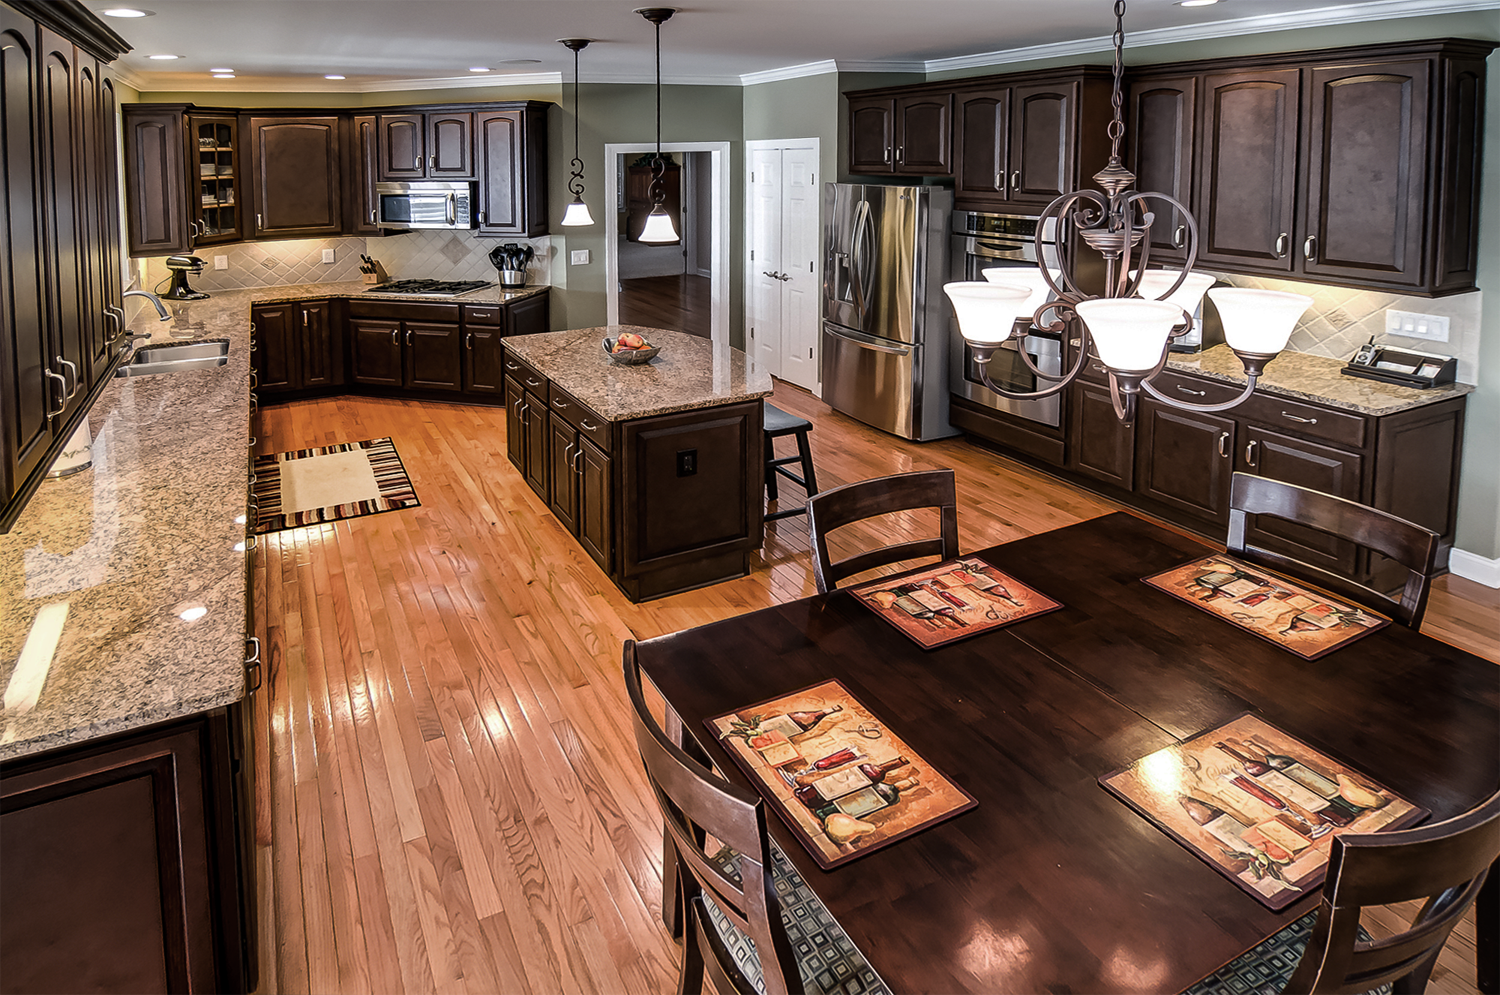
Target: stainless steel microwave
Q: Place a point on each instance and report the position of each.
(425, 204)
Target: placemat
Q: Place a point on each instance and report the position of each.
(1291, 615)
(838, 776)
(954, 600)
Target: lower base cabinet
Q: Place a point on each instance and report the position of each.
(125, 863)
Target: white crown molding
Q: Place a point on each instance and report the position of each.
(257, 85)
(130, 78)
(1382, 10)
(1472, 566)
(790, 72)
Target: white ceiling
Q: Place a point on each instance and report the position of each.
(400, 44)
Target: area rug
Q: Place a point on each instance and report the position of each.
(347, 480)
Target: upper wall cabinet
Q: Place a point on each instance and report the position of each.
(908, 133)
(295, 176)
(510, 153)
(1355, 167)
(436, 145)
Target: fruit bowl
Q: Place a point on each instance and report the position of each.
(630, 357)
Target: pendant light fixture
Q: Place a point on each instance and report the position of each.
(659, 227)
(1131, 327)
(577, 212)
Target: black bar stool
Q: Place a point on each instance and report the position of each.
(780, 423)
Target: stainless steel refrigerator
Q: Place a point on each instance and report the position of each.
(885, 326)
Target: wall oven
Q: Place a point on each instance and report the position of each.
(426, 204)
(987, 241)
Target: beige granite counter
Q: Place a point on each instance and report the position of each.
(689, 374)
(1314, 378)
(352, 289)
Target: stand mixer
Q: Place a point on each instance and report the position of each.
(181, 266)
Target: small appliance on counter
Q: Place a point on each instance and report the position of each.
(511, 260)
(1403, 367)
(181, 266)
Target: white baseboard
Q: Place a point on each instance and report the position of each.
(1472, 566)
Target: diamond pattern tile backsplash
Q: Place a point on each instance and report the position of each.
(1340, 320)
(433, 255)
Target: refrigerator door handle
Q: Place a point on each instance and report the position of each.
(861, 215)
(865, 344)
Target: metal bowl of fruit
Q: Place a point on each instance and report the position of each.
(630, 350)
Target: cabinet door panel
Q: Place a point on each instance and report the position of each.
(111, 280)
(1307, 464)
(983, 142)
(364, 174)
(1160, 141)
(515, 428)
(595, 530)
(450, 145)
(156, 201)
(924, 126)
(1043, 147)
(528, 316)
(94, 184)
(276, 347)
(1103, 447)
(871, 135)
(402, 156)
(562, 473)
(483, 360)
(65, 205)
(322, 359)
(1366, 173)
(534, 421)
(1248, 183)
(432, 356)
(499, 147)
(1184, 460)
(215, 198)
(295, 162)
(377, 351)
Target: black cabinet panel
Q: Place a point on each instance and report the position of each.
(983, 144)
(295, 176)
(1185, 460)
(377, 351)
(1248, 188)
(1160, 139)
(433, 360)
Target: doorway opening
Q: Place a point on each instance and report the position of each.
(679, 285)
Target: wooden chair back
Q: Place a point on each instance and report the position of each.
(864, 499)
(1411, 545)
(1445, 864)
(696, 803)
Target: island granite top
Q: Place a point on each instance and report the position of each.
(689, 374)
(1315, 378)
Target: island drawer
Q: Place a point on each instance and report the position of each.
(1343, 427)
(580, 416)
(526, 374)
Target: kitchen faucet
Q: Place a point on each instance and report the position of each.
(161, 308)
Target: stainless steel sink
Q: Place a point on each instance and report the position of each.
(176, 357)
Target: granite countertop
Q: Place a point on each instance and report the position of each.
(690, 373)
(357, 288)
(1315, 378)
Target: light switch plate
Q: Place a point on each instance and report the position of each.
(1416, 326)
(221, 262)
(579, 257)
(328, 255)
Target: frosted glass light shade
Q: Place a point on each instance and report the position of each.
(1130, 334)
(1258, 321)
(1024, 276)
(658, 227)
(1154, 283)
(577, 214)
(986, 311)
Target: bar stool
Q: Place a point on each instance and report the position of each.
(778, 424)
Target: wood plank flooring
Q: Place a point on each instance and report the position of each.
(448, 795)
(683, 302)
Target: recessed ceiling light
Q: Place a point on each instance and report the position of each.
(164, 57)
(128, 12)
(1195, 3)
(479, 69)
(223, 75)
(221, 70)
(519, 62)
(333, 76)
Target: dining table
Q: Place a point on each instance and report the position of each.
(1051, 883)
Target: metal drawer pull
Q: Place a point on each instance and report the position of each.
(1292, 417)
(408, 336)
(257, 222)
(252, 666)
(1224, 444)
(252, 540)
(512, 366)
(571, 447)
(583, 423)
(63, 402)
(533, 383)
(252, 642)
(887, 154)
(1179, 237)
(372, 216)
(253, 440)
(1282, 242)
(577, 460)
(560, 405)
(1250, 452)
(1189, 390)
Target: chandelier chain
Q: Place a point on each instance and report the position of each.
(1117, 126)
(575, 185)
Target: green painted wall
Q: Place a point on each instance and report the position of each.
(797, 108)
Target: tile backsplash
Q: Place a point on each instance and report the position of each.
(434, 255)
(1341, 320)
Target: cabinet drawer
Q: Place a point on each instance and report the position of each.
(403, 310)
(580, 416)
(527, 374)
(1193, 390)
(492, 314)
(1314, 421)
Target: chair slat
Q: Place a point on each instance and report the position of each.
(841, 506)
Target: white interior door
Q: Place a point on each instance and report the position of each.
(800, 281)
(764, 265)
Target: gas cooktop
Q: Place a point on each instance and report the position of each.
(429, 288)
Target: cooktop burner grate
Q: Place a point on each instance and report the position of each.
(429, 288)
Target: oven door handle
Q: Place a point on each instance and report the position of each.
(893, 350)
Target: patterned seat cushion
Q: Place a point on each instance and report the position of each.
(826, 958)
(1267, 968)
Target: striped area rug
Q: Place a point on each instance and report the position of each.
(347, 480)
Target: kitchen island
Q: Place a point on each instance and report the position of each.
(656, 469)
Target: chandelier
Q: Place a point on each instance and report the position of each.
(1130, 328)
(577, 212)
(659, 226)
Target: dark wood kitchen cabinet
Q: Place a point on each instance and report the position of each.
(510, 154)
(360, 203)
(872, 134)
(415, 347)
(1161, 143)
(982, 160)
(1100, 446)
(298, 347)
(1185, 459)
(527, 424)
(155, 187)
(907, 133)
(431, 145)
(295, 176)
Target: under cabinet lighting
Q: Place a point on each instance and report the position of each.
(163, 58)
(128, 12)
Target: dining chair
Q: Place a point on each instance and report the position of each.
(833, 509)
(754, 927)
(1444, 864)
(1409, 544)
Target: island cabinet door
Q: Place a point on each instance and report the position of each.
(377, 351)
(433, 356)
(515, 424)
(562, 470)
(595, 509)
(534, 424)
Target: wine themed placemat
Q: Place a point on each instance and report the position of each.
(1259, 806)
(954, 600)
(838, 776)
(1301, 619)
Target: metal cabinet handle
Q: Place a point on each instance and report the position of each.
(253, 440)
(583, 423)
(1282, 242)
(1292, 417)
(469, 341)
(577, 460)
(252, 665)
(1250, 452)
(887, 154)
(252, 541)
(1189, 390)
(1015, 180)
(408, 336)
(1310, 248)
(524, 409)
(900, 153)
(416, 163)
(432, 162)
(305, 319)
(1000, 182)
(533, 383)
(571, 447)
(254, 379)
(1224, 444)
(114, 322)
(372, 215)
(258, 221)
(118, 313)
(1179, 237)
(395, 336)
(63, 397)
(560, 405)
(512, 366)
(72, 368)
(479, 217)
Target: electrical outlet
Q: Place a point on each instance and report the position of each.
(328, 256)
(221, 262)
(687, 462)
(579, 257)
(1416, 326)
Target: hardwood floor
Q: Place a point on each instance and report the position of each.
(448, 795)
(681, 303)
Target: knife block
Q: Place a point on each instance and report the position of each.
(379, 276)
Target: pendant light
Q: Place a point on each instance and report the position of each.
(577, 212)
(1131, 327)
(659, 227)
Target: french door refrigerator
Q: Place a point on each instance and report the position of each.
(885, 353)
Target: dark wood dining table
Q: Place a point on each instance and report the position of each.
(1051, 883)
